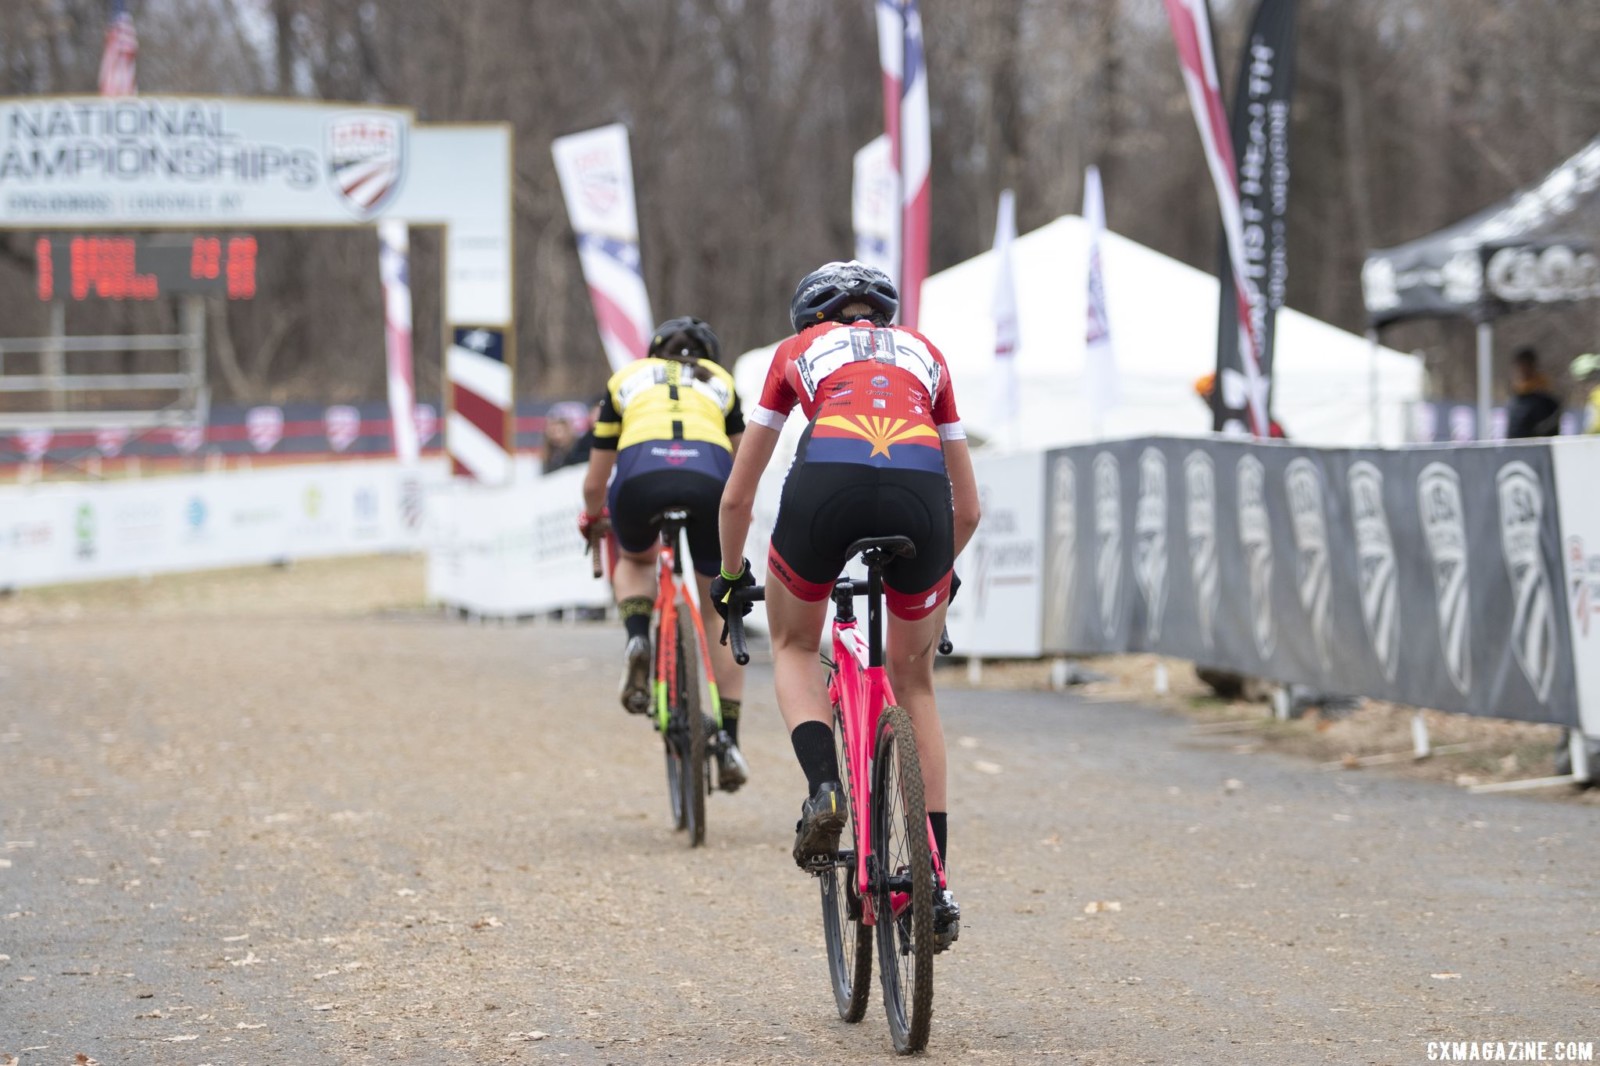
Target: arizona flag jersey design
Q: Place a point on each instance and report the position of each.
(879, 396)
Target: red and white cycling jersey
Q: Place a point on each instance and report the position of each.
(875, 395)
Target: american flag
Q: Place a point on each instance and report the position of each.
(119, 61)
(905, 120)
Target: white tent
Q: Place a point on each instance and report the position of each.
(1164, 326)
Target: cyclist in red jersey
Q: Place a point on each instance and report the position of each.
(883, 454)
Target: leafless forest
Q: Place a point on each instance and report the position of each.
(745, 114)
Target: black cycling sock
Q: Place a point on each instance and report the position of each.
(813, 746)
(730, 718)
(938, 819)
(635, 612)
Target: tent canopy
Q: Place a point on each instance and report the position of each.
(1163, 323)
(1532, 248)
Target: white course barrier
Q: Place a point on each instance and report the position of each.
(512, 550)
(84, 531)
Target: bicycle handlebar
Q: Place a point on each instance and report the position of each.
(733, 632)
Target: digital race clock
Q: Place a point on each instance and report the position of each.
(94, 267)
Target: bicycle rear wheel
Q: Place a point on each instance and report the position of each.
(689, 722)
(849, 941)
(902, 881)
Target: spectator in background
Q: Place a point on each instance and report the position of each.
(1586, 376)
(563, 445)
(1534, 410)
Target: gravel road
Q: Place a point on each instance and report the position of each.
(311, 835)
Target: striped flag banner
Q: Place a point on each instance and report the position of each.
(1007, 395)
(875, 207)
(394, 268)
(119, 58)
(1197, 54)
(906, 123)
(1099, 357)
(478, 429)
(597, 183)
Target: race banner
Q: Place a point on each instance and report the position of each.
(596, 176)
(151, 160)
(1007, 335)
(875, 207)
(1435, 578)
(394, 271)
(906, 123)
(1099, 355)
(1197, 55)
(479, 430)
(1261, 147)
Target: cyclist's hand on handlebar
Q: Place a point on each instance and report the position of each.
(723, 587)
(592, 527)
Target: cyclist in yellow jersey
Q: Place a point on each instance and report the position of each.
(668, 427)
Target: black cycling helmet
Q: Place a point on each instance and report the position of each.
(829, 289)
(693, 329)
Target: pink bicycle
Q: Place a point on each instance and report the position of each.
(887, 880)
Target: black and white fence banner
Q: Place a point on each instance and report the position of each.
(1433, 577)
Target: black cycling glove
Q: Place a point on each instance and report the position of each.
(723, 586)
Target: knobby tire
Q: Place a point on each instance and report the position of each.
(849, 941)
(903, 863)
(690, 723)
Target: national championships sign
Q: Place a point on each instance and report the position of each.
(77, 161)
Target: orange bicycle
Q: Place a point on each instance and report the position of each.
(687, 710)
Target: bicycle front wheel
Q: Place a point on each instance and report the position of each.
(849, 940)
(689, 723)
(902, 881)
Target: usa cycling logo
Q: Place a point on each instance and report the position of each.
(1063, 549)
(366, 160)
(1376, 570)
(1150, 539)
(1108, 539)
(1444, 527)
(1308, 519)
(1533, 617)
(1200, 485)
(1255, 537)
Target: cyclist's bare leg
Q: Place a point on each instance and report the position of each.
(729, 674)
(635, 574)
(908, 655)
(796, 628)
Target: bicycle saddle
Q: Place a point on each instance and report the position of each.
(887, 546)
(671, 516)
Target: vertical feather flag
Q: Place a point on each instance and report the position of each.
(906, 122)
(597, 181)
(1191, 31)
(119, 57)
(1099, 357)
(1007, 395)
(394, 268)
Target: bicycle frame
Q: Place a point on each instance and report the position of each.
(671, 591)
(859, 687)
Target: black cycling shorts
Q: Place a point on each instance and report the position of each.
(826, 507)
(636, 500)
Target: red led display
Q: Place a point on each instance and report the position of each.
(95, 267)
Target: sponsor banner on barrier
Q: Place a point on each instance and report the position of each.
(1577, 464)
(1307, 565)
(64, 532)
(997, 611)
(512, 550)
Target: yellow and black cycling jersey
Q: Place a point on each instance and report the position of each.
(668, 399)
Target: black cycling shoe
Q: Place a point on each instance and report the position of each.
(636, 678)
(822, 818)
(946, 920)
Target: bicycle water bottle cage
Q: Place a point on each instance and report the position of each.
(879, 550)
